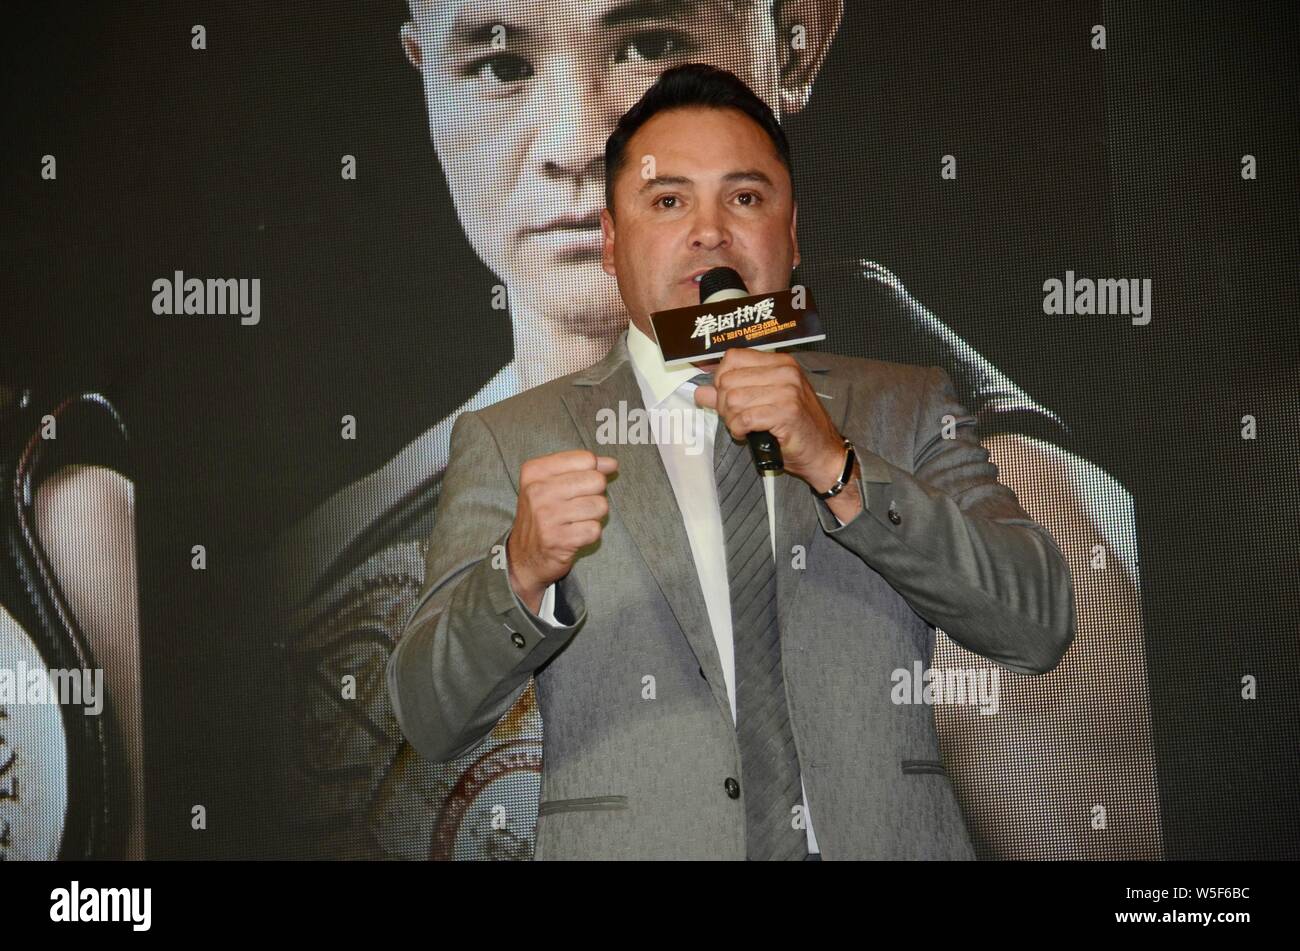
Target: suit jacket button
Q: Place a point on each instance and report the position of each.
(517, 638)
(894, 516)
(732, 787)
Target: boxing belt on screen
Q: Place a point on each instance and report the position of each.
(63, 775)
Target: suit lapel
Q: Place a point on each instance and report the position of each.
(641, 496)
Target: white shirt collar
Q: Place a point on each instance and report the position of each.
(648, 363)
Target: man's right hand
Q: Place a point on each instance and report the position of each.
(561, 504)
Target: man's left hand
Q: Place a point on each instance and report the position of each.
(755, 390)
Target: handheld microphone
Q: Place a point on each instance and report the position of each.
(723, 283)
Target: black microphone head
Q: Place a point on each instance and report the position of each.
(720, 279)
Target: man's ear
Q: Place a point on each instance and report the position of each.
(607, 242)
(819, 21)
(411, 43)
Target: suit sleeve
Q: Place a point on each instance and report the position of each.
(470, 646)
(956, 544)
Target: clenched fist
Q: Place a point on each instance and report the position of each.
(561, 504)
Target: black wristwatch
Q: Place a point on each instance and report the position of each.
(849, 458)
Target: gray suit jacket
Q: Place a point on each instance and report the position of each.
(630, 772)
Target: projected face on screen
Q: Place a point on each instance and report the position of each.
(521, 98)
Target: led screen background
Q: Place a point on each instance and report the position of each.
(377, 305)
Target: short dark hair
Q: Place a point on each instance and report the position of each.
(691, 84)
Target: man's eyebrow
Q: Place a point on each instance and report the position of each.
(635, 10)
(472, 33)
(747, 175)
(481, 33)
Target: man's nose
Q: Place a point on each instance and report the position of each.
(709, 227)
(574, 118)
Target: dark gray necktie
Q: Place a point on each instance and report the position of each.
(769, 766)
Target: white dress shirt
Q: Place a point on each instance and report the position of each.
(695, 486)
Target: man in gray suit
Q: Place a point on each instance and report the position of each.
(717, 652)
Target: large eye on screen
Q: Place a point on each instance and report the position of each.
(652, 45)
